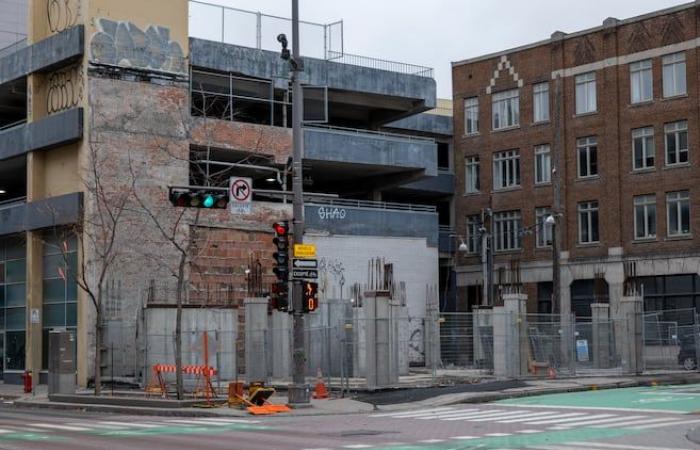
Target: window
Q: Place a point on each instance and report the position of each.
(471, 115)
(645, 217)
(506, 169)
(473, 234)
(676, 142)
(641, 84)
(506, 230)
(585, 93)
(587, 149)
(674, 74)
(13, 301)
(643, 148)
(540, 101)
(471, 175)
(678, 213)
(505, 111)
(588, 222)
(544, 230)
(543, 164)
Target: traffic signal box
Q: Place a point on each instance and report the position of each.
(279, 295)
(310, 290)
(198, 198)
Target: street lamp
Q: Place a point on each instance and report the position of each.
(551, 220)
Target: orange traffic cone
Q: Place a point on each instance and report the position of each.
(320, 391)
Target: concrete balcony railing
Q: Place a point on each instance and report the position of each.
(19, 216)
(352, 146)
(443, 183)
(365, 218)
(448, 240)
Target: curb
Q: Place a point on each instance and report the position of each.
(130, 410)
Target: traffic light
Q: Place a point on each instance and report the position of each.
(198, 198)
(310, 294)
(280, 290)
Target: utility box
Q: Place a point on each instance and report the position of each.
(62, 362)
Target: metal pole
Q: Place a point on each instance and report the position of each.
(298, 393)
(557, 212)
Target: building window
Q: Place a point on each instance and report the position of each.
(506, 230)
(641, 82)
(678, 213)
(586, 93)
(544, 230)
(588, 222)
(543, 164)
(471, 175)
(587, 149)
(59, 287)
(471, 115)
(506, 169)
(643, 148)
(674, 74)
(540, 101)
(676, 142)
(473, 234)
(645, 217)
(505, 109)
(13, 302)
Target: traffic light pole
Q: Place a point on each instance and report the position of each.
(298, 393)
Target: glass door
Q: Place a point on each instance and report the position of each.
(2, 354)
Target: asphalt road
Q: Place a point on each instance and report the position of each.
(552, 423)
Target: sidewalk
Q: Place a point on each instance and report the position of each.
(390, 400)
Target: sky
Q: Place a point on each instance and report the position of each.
(435, 33)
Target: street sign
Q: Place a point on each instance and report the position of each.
(240, 192)
(302, 274)
(305, 251)
(304, 263)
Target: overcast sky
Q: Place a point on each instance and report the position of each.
(436, 32)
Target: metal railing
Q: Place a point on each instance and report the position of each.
(380, 64)
(374, 205)
(257, 30)
(360, 131)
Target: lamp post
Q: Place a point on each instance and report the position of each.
(556, 297)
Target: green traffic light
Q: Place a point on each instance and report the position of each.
(208, 201)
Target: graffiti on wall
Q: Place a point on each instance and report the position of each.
(65, 89)
(62, 14)
(125, 44)
(332, 273)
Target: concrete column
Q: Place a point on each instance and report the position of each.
(501, 325)
(280, 340)
(482, 321)
(34, 301)
(432, 337)
(516, 306)
(600, 335)
(630, 339)
(256, 339)
(380, 345)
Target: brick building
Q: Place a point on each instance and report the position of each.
(600, 128)
(123, 91)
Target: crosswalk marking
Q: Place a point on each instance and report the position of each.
(594, 422)
(532, 416)
(465, 438)
(131, 425)
(5, 431)
(497, 434)
(410, 413)
(528, 431)
(60, 427)
(442, 415)
(635, 422)
(659, 425)
(227, 420)
(431, 441)
(570, 417)
(577, 418)
(476, 415)
(597, 408)
(509, 415)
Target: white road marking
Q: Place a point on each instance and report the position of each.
(621, 446)
(431, 441)
(6, 431)
(594, 422)
(443, 414)
(59, 427)
(409, 413)
(635, 422)
(596, 408)
(659, 425)
(532, 416)
(464, 438)
(529, 431)
(357, 446)
(570, 419)
(565, 417)
(227, 420)
(497, 434)
(475, 415)
(133, 425)
(509, 415)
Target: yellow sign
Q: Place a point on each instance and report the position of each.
(304, 251)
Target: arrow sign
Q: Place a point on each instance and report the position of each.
(305, 274)
(304, 263)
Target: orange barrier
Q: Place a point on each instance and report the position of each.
(202, 372)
